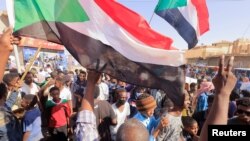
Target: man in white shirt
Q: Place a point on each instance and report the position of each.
(122, 110)
(104, 90)
(29, 87)
(65, 92)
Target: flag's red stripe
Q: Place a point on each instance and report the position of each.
(203, 15)
(133, 23)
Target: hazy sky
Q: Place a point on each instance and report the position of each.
(229, 20)
(2, 4)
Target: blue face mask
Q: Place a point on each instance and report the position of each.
(138, 94)
(111, 85)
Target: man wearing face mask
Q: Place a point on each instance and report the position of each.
(121, 109)
(29, 87)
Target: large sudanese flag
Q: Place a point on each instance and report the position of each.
(190, 18)
(104, 35)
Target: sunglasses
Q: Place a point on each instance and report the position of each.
(243, 112)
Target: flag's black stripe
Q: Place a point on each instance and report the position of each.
(90, 52)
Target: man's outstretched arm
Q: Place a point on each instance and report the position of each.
(88, 99)
(224, 83)
(6, 41)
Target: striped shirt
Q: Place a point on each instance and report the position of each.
(86, 129)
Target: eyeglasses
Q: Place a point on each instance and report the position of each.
(239, 111)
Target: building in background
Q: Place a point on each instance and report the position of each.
(50, 52)
(208, 55)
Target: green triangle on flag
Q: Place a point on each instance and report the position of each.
(169, 4)
(31, 11)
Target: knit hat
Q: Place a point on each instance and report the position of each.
(146, 103)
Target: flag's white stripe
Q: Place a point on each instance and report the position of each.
(190, 14)
(103, 28)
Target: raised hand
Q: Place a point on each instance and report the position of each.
(51, 82)
(6, 48)
(225, 80)
(7, 39)
(88, 99)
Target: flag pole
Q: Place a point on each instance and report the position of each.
(17, 59)
(151, 18)
(31, 62)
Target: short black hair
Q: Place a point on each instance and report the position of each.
(70, 72)
(118, 90)
(142, 96)
(53, 74)
(192, 85)
(59, 71)
(54, 89)
(13, 70)
(245, 93)
(188, 121)
(32, 99)
(7, 78)
(210, 99)
(3, 90)
(29, 72)
(60, 79)
(83, 72)
(166, 103)
(234, 95)
(244, 101)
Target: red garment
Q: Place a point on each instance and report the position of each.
(59, 115)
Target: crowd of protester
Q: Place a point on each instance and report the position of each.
(80, 105)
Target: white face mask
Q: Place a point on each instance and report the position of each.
(35, 79)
